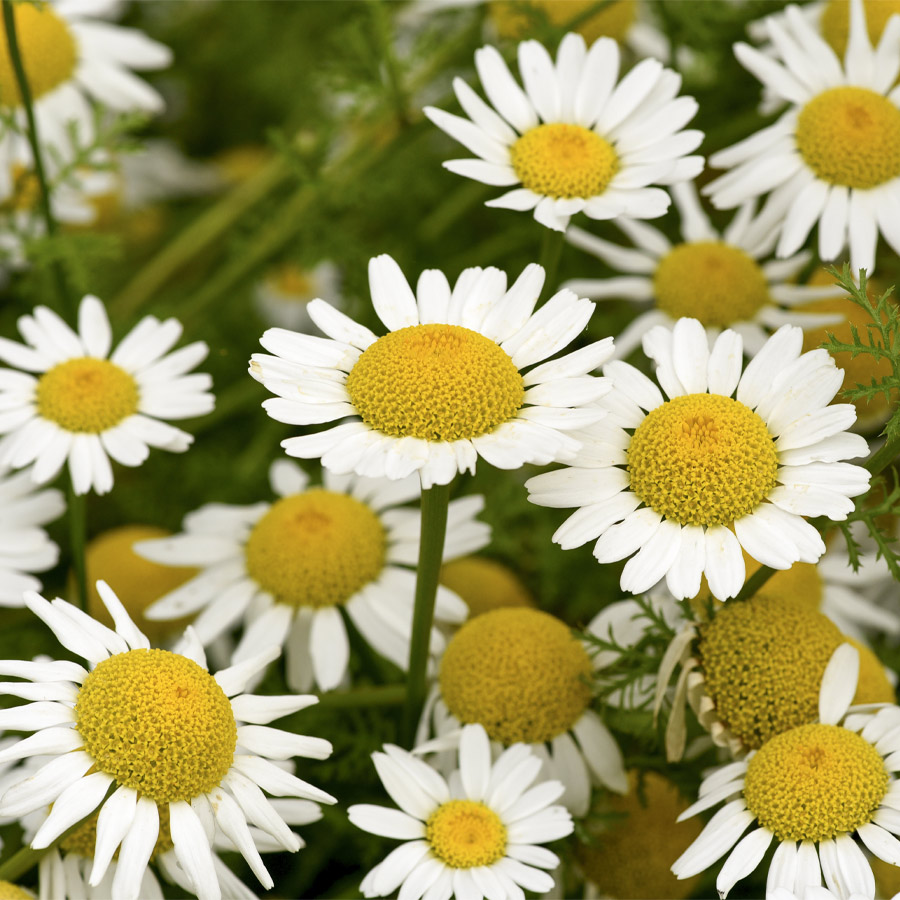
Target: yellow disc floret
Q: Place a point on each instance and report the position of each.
(835, 21)
(873, 685)
(48, 50)
(435, 382)
(850, 136)
(316, 549)
(158, 723)
(484, 584)
(702, 459)
(801, 583)
(562, 160)
(815, 782)
(87, 395)
(10, 891)
(83, 840)
(517, 672)
(711, 281)
(513, 19)
(464, 834)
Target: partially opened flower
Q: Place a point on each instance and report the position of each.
(478, 835)
(83, 407)
(694, 479)
(155, 729)
(446, 384)
(833, 157)
(576, 139)
(815, 790)
(288, 569)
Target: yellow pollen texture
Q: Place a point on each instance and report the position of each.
(464, 834)
(815, 782)
(316, 549)
(562, 160)
(435, 382)
(835, 21)
(850, 136)
(711, 281)
(763, 661)
(48, 49)
(801, 583)
(158, 723)
(513, 20)
(87, 395)
(10, 891)
(484, 584)
(702, 459)
(83, 840)
(517, 672)
(873, 685)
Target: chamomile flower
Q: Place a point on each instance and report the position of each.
(485, 584)
(718, 279)
(83, 407)
(694, 479)
(833, 157)
(574, 140)
(289, 568)
(813, 789)
(282, 296)
(521, 675)
(159, 731)
(476, 836)
(71, 58)
(446, 384)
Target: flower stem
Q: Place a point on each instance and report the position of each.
(19, 863)
(382, 695)
(431, 550)
(883, 457)
(551, 251)
(77, 532)
(754, 583)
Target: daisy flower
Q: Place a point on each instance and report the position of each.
(833, 157)
(446, 384)
(24, 545)
(70, 58)
(521, 675)
(282, 296)
(161, 732)
(574, 140)
(86, 408)
(485, 584)
(718, 279)
(696, 478)
(477, 836)
(289, 568)
(813, 789)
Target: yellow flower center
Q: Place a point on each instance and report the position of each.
(702, 459)
(10, 891)
(710, 281)
(874, 685)
(435, 382)
(815, 782)
(464, 834)
(515, 20)
(801, 583)
(48, 50)
(562, 160)
(763, 661)
(87, 395)
(850, 136)
(316, 549)
(158, 723)
(835, 21)
(484, 584)
(83, 840)
(517, 672)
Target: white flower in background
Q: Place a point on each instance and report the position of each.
(718, 279)
(161, 732)
(475, 835)
(283, 294)
(574, 140)
(288, 569)
(446, 384)
(82, 407)
(694, 479)
(833, 157)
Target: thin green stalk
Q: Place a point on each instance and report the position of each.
(883, 457)
(431, 550)
(19, 863)
(382, 23)
(385, 695)
(77, 537)
(755, 582)
(551, 251)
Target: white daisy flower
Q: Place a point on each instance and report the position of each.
(719, 279)
(833, 157)
(445, 385)
(156, 728)
(71, 58)
(574, 140)
(24, 545)
(521, 675)
(289, 568)
(477, 836)
(694, 479)
(282, 296)
(85, 407)
(813, 789)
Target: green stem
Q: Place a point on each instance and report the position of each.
(551, 251)
(77, 535)
(385, 695)
(19, 863)
(9, 22)
(382, 25)
(882, 458)
(755, 582)
(431, 550)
